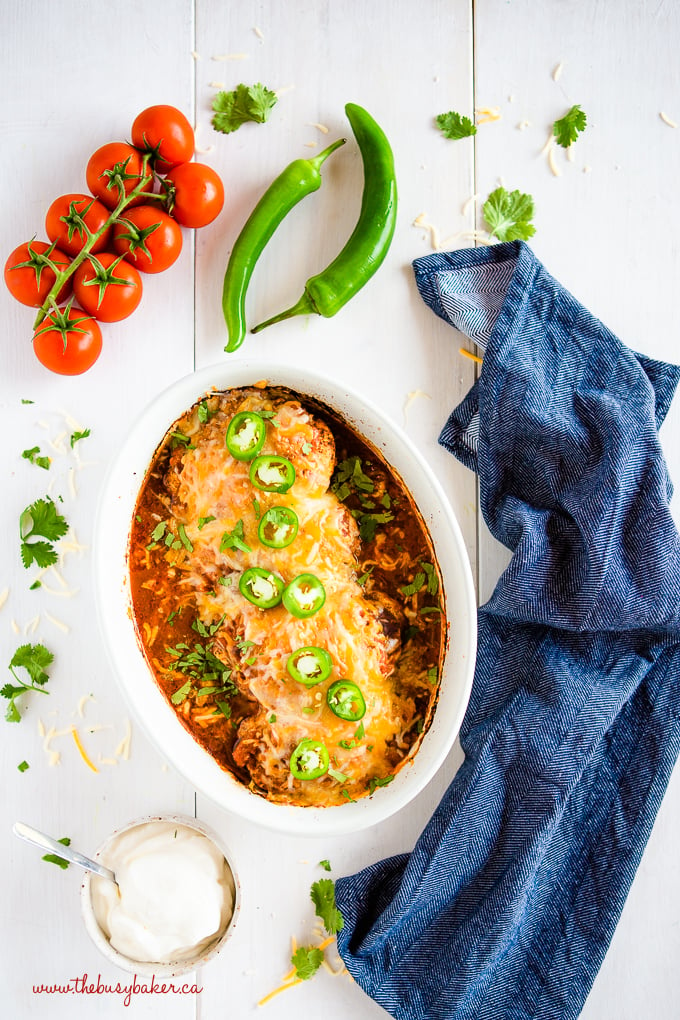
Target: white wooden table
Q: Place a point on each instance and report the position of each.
(72, 77)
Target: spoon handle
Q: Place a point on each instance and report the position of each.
(53, 846)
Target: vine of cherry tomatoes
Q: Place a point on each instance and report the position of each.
(140, 195)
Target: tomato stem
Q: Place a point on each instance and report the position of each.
(123, 202)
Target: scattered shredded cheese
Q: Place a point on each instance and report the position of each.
(311, 145)
(550, 141)
(470, 355)
(63, 627)
(258, 32)
(41, 728)
(421, 221)
(488, 114)
(73, 492)
(123, 749)
(81, 704)
(195, 55)
(106, 761)
(469, 202)
(321, 127)
(523, 125)
(66, 594)
(413, 395)
(15, 627)
(557, 72)
(207, 148)
(217, 84)
(282, 988)
(667, 120)
(32, 625)
(283, 89)
(83, 753)
(4, 595)
(551, 162)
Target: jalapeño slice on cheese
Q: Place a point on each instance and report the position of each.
(310, 759)
(246, 433)
(304, 596)
(346, 700)
(271, 473)
(261, 587)
(309, 665)
(278, 527)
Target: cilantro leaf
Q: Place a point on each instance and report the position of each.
(44, 520)
(325, 864)
(234, 539)
(453, 125)
(55, 859)
(23, 766)
(34, 659)
(377, 781)
(508, 215)
(323, 897)
(77, 436)
(244, 103)
(567, 129)
(32, 455)
(306, 960)
(416, 584)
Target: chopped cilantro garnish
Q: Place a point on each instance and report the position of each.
(508, 215)
(77, 436)
(429, 609)
(567, 129)
(432, 675)
(158, 532)
(40, 520)
(338, 776)
(204, 413)
(25, 401)
(454, 125)
(202, 521)
(432, 579)
(23, 766)
(360, 732)
(377, 781)
(199, 663)
(234, 539)
(34, 659)
(54, 858)
(415, 586)
(184, 538)
(272, 718)
(364, 577)
(325, 864)
(182, 693)
(33, 455)
(244, 103)
(179, 439)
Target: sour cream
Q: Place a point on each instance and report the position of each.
(174, 895)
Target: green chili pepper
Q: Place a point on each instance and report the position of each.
(278, 527)
(246, 434)
(299, 178)
(327, 292)
(346, 700)
(304, 596)
(270, 473)
(309, 665)
(261, 587)
(310, 759)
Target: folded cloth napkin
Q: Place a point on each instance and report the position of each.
(506, 906)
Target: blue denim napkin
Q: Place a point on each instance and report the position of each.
(506, 906)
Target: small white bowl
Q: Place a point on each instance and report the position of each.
(114, 602)
(145, 968)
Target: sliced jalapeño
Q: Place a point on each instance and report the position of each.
(310, 759)
(304, 596)
(309, 665)
(246, 434)
(278, 527)
(261, 587)
(271, 473)
(346, 700)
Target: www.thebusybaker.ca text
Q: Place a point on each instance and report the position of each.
(148, 986)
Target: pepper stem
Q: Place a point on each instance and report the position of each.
(318, 160)
(305, 306)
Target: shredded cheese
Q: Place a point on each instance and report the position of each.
(557, 71)
(470, 355)
(4, 595)
(81, 704)
(123, 749)
(83, 753)
(258, 32)
(551, 162)
(217, 84)
(421, 221)
(32, 625)
(320, 127)
(277, 991)
(667, 120)
(488, 114)
(63, 627)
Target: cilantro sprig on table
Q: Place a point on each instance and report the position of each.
(508, 215)
(35, 659)
(40, 525)
(34, 457)
(308, 959)
(454, 125)
(244, 103)
(567, 129)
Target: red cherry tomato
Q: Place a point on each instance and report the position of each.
(29, 275)
(68, 342)
(148, 238)
(198, 194)
(165, 132)
(113, 167)
(69, 216)
(98, 292)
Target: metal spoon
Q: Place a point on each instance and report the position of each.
(68, 854)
